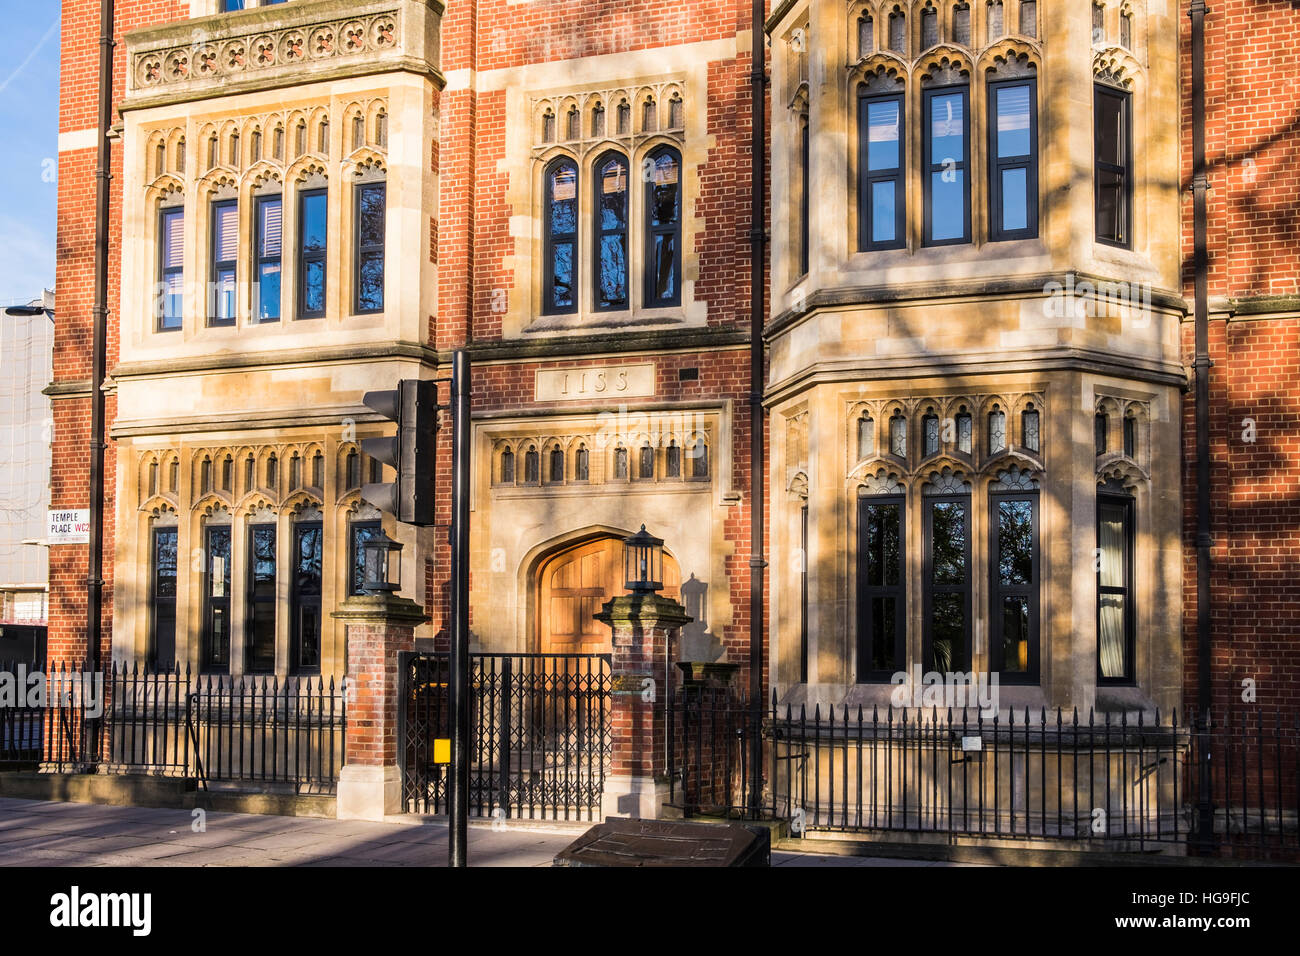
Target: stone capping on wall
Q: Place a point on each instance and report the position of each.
(282, 45)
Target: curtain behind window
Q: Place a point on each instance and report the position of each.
(1111, 616)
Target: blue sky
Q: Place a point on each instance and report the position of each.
(29, 125)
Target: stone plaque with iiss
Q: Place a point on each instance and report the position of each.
(594, 384)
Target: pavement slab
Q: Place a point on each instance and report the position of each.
(70, 834)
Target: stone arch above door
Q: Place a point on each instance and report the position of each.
(572, 584)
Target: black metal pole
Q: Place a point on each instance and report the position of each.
(99, 341)
(1200, 185)
(757, 243)
(460, 700)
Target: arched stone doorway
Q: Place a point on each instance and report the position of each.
(573, 584)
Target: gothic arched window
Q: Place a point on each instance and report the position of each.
(561, 255)
(611, 225)
(663, 254)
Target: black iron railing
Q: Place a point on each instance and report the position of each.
(260, 731)
(540, 741)
(1116, 782)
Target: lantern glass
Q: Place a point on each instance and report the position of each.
(643, 562)
(382, 559)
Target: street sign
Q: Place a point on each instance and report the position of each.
(68, 527)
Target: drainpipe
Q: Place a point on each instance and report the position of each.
(1200, 185)
(99, 341)
(757, 240)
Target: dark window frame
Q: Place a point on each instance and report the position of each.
(929, 589)
(867, 178)
(998, 591)
(166, 321)
(805, 194)
(1125, 213)
(803, 592)
(998, 164)
(159, 602)
(866, 674)
(1129, 505)
(674, 229)
(306, 259)
(261, 260)
(253, 600)
(928, 168)
(362, 251)
(597, 272)
(218, 266)
(550, 237)
(300, 601)
(354, 541)
(213, 659)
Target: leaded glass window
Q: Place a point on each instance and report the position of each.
(560, 292)
(898, 435)
(930, 429)
(866, 437)
(611, 238)
(997, 431)
(1029, 429)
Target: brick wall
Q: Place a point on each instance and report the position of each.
(1253, 154)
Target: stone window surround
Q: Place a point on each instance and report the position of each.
(635, 145)
(246, 177)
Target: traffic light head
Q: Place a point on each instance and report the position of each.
(413, 405)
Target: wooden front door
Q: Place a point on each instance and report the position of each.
(574, 584)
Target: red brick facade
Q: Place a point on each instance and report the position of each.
(1253, 128)
(1253, 157)
(471, 245)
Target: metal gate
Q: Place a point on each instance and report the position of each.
(540, 742)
